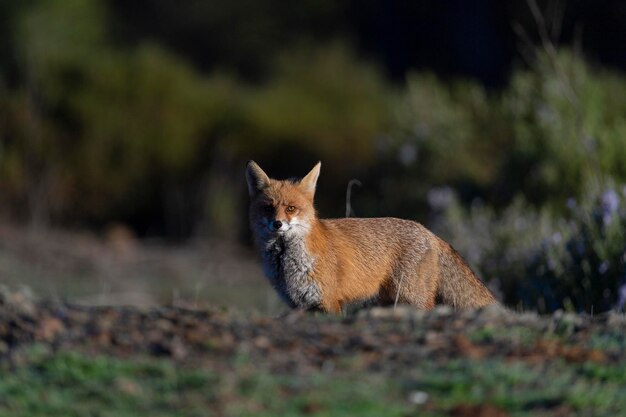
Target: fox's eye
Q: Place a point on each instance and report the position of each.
(291, 209)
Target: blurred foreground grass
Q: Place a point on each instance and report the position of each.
(71, 384)
(65, 360)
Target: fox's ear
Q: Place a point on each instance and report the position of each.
(308, 183)
(257, 179)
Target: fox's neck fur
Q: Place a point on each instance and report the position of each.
(289, 266)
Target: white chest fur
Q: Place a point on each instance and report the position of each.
(288, 266)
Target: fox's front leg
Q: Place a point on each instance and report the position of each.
(332, 306)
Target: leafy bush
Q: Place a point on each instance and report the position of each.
(535, 260)
(568, 124)
(498, 246)
(584, 264)
(93, 132)
(516, 157)
(323, 100)
(554, 128)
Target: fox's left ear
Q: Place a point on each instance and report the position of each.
(256, 178)
(308, 183)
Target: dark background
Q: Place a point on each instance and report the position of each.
(475, 38)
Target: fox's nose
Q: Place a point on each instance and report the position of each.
(277, 224)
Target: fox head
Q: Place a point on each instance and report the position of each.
(281, 207)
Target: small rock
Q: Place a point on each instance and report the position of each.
(418, 397)
(403, 311)
(163, 324)
(494, 311)
(262, 342)
(572, 318)
(49, 328)
(398, 312)
(434, 339)
(443, 311)
(374, 313)
(615, 319)
(179, 350)
(20, 301)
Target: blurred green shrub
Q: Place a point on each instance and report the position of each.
(93, 131)
(322, 103)
(559, 124)
(535, 260)
(516, 158)
(583, 265)
(437, 138)
(568, 123)
(322, 99)
(499, 246)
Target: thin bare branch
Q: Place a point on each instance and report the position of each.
(349, 211)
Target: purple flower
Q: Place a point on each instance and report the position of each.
(407, 154)
(440, 198)
(590, 143)
(610, 204)
(604, 266)
(610, 201)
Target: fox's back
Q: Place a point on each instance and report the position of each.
(371, 234)
(374, 248)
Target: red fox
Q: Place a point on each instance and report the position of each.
(326, 264)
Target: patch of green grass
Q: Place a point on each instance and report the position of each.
(73, 384)
(70, 384)
(612, 341)
(318, 395)
(523, 389)
(610, 374)
(514, 334)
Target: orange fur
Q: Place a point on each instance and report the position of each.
(328, 263)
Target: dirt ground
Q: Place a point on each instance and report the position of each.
(487, 363)
(385, 339)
